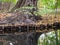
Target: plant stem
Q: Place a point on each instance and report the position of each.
(56, 37)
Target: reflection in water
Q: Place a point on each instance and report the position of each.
(11, 43)
(48, 38)
(17, 39)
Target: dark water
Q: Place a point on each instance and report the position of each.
(20, 39)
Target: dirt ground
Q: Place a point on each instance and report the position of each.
(9, 17)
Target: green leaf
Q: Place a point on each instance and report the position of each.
(12, 1)
(46, 6)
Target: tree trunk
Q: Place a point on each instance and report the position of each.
(18, 4)
(21, 3)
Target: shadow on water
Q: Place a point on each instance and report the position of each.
(20, 39)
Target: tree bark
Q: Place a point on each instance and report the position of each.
(18, 5)
(21, 3)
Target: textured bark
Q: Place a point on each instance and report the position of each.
(18, 4)
(21, 3)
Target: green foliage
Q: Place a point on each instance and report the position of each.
(24, 9)
(47, 6)
(50, 4)
(58, 3)
(49, 38)
(12, 1)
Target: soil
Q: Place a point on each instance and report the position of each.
(23, 19)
